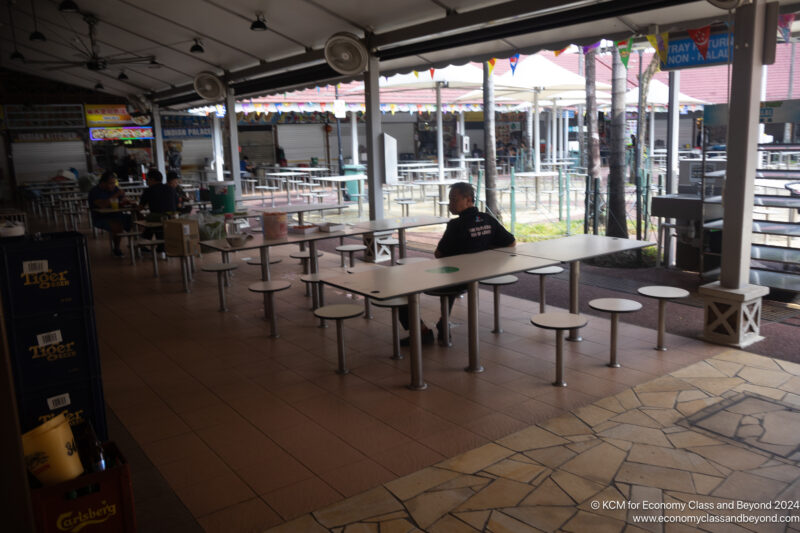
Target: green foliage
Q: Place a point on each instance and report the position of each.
(547, 230)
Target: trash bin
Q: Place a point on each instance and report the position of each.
(223, 197)
(349, 170)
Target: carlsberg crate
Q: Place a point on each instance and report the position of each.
(45, 274)
(98, 502)
(181, 237)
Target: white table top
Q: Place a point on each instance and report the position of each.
(576, 247)
(309, 169)
(433, 274)
(470, 159)
(436, 182)
(400, 222)
(284, 174)
(543, 174)
(414, 165)
(301, 208)
(434, 170)
(258, 241)
(340, 179)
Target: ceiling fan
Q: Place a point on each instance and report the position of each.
(91, 58)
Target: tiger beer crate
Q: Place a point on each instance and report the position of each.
(181, 237)
(45, 275)
(51, 348)
(100, 502)
(80, 399)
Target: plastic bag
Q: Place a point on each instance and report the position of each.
(211, 226)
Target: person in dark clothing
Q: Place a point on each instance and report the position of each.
(473, 231)
(106, 195)
(174, 181)
(162, 202)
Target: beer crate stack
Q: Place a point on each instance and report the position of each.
(50, 324)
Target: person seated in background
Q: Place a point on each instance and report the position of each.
(162, 202)
(174, 182)
(473, 231)
(106, 195)
(246, 167)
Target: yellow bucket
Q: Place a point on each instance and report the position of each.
(276, 226)
(50, 452)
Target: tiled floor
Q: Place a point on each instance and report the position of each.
(689, 450)
(251, 431)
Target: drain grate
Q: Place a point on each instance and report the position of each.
(753, 420)
(778, 313)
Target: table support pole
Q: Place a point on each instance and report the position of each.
(401, 236)
(415, 338)
(614, 327)
(264, 253)
(559, 382)
(662, 325)
(472, 312)
(574, 279)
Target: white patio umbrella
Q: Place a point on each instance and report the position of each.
(453, 77)
(658, 94)
(535, 79)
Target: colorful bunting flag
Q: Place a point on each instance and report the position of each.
(625, 50)
(432, 71)
(416, 74)
(700, 37)
(491, 62)
(512, 61)
(785, 26)
(393, 108)
(661, 43)
(559, 52)
(591, 47)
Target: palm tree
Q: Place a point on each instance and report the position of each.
(490, 151)
(616, 225)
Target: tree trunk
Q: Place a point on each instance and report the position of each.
(593, 137)
(616, 225)
(490, 151)
(641, 127)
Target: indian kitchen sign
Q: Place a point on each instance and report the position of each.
(684, 53)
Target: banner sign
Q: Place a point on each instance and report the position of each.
(46, 136)
(778, 112)
(107, 115)
(132, 133)
(684, 53)
(185, 127)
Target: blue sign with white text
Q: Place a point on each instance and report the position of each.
(683, 53)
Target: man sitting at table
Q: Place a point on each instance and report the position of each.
(106, 195)
(473, 231)
(174, 181)
(162, 201)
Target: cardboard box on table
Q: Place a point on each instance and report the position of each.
(181, 237)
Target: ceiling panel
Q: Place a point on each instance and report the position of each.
(298, 31)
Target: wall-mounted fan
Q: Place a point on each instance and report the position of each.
(90, 53)
(727, 4)
(346, 54)
(209, 87)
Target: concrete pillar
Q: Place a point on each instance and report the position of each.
(375, 170)
(439, 132)
(159, 140)
(216, 144)
(537, 160)
(462, 132)
(233, 128)
(354, 136)
(673, 125)
(732, 305)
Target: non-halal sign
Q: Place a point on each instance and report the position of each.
(131, 133)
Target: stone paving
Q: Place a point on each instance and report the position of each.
(697, 449)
